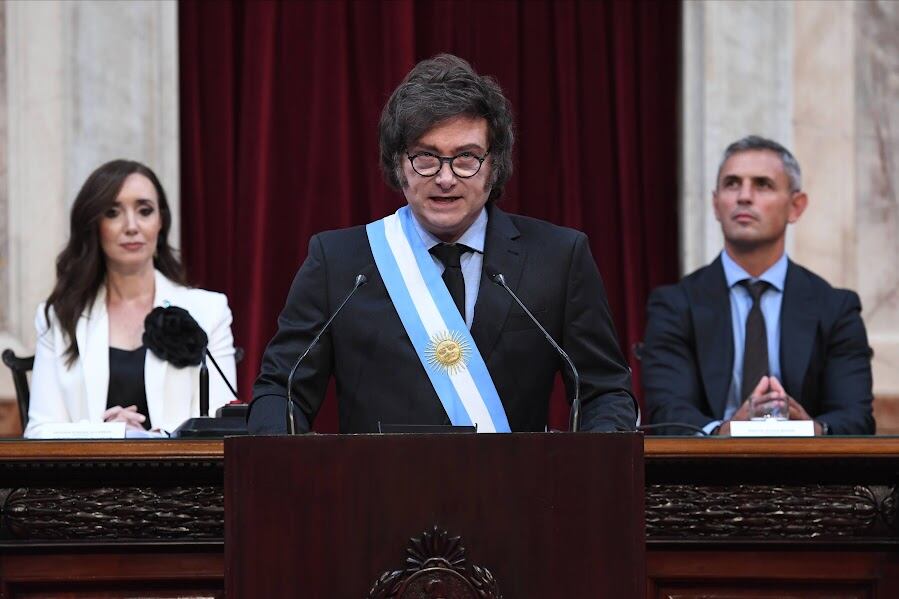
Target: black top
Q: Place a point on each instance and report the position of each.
(126, 380)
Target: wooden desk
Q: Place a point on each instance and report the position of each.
(724, 518)
(772, 518)
(111, 519)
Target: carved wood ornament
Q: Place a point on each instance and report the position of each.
(771, 512)
(436, 569)
(190, 513)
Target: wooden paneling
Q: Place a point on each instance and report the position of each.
(537, 510)
(886, 414)
(103, 451)
(741, 573)
(97, 519)
(842, 541)
(10, 425)
(812, 448)
(85, 572)
(772, 518)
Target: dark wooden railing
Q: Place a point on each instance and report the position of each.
(724, 518)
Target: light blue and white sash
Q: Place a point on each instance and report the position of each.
(438, 332)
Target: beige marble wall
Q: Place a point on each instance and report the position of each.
(4, 191)
(35, 45)
(877, 181)
(835, 103)
(86, 81)
(736, 71)
(824, 134)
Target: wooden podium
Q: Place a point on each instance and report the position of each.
(542, 515)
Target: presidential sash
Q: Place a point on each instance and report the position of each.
(438, 332)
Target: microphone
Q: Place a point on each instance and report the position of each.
(575, 417)
(361, 280)
(173, 335)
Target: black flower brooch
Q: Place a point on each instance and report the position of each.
(174, 336)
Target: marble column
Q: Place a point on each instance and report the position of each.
(876, 197)
(82, 82)
(821, 77)
(737, 64)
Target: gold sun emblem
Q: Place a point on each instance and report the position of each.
(448, 351)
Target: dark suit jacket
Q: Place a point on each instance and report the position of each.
(378, 374)
(688, 351)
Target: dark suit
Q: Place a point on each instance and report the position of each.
(378, 374)
(688, 351)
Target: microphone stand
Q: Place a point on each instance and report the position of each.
(203, 426)
(204, 387)
(574, 423)
(291, 418)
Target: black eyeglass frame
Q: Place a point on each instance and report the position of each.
(448, 159)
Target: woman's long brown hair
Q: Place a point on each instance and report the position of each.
(81, 266)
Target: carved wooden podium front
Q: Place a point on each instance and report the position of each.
(452, 515)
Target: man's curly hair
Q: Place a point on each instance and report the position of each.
(438, 89)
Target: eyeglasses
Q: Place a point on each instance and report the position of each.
(463, 165)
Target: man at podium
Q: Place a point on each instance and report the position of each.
(430, 333)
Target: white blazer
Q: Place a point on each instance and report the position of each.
(79, 393)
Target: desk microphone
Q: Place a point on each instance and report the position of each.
(291, 419)
(204, 382)
(575, 418)
(690, 427)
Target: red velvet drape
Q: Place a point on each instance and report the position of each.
(279, 109)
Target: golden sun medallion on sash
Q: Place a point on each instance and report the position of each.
(448, 351)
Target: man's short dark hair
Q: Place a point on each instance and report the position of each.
(438, 89)
(755, 142)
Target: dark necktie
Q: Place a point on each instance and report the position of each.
(450, 255)
(755, 350)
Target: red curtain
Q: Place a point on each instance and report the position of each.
(279, 110)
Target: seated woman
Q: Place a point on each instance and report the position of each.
(91, 363)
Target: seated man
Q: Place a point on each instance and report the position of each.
(753, 327)
(432, 338)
